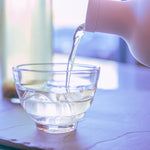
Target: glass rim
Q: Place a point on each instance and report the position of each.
(85, 68)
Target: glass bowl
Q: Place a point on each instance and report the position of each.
(56, 99)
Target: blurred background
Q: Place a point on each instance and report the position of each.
(20, 32)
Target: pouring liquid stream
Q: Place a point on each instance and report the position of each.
(76, 39)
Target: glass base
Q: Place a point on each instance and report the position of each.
(56, 129)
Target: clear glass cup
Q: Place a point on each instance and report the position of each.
(55, 105)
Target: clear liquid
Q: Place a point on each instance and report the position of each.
(76, 39)
(55, 107)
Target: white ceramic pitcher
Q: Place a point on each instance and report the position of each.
(129, 19)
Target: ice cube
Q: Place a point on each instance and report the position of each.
(27, 94)
(61, 97)
(39, 97)
(73, 96)
(52, 96)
